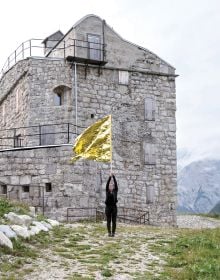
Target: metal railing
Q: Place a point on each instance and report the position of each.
(38, 135)
(126, 215)
(133, 215)
(28, 48)
(81, 213)
(71, 47)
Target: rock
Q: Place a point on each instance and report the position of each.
(21, 231)
(23, 220)
(32, 211)
(40, 226)
(7, 231)
(5, 241)
(53, 222)
(47, 225)
(34, 230)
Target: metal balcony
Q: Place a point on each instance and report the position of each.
(72, 50)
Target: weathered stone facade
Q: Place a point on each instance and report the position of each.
(135, 86)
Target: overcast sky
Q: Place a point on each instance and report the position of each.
(184, 33)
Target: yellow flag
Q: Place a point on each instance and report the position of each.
(95, 142)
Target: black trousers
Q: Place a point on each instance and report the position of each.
(111, 215)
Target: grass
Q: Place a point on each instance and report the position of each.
(106, 272)
(7, 206)
(195, 255)
(207, 215)
(210, 215)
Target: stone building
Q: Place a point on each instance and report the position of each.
(80, 77)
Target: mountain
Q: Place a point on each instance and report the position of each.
(216, 209)
(198, 185)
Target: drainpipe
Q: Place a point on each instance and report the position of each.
(75, 93)
(103, 40)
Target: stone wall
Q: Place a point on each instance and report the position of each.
(14, 92)
(38, 167)
(78, 185)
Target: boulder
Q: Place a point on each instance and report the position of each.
(47, 225)
(21, 231)
(23, 220)
(5, 241)
(53, 222)
(7, 231)
(34, 230)
(40, 226)
(32, 211)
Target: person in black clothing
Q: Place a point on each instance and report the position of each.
(111, 206)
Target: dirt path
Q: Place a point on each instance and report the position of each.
(128, 255)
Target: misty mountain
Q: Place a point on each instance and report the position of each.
(216, 209)
(198, 184)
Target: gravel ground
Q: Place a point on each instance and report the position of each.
(194, 221)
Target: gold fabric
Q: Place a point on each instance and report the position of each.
(95, 142)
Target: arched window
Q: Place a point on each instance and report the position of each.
(57, 99)
(62, 95)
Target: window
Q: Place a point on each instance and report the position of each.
(149, 153)
(149, 194)
(123, 77)
(94, 47)
(57, 99)
(26, 188)
(48, 187)
(18, 141)
(3, 189)
(62, 95)
(149, 109)
(47, 135)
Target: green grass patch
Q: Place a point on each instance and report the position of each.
(195, 255)
(7, 206)
(210, 215)
(106, 272)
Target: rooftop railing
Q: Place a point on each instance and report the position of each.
(73, 49)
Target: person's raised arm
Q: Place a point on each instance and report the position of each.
(115, 183)
(107, 184)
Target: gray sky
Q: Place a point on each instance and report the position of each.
(185, 33)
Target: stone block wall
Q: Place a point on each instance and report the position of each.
(39, 167)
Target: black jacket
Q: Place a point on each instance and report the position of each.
(111, 197)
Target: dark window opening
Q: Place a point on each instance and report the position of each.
(3, 189)
(26, 188)
(62, 95)
(18, 141)
(92, 116)
(48, 187)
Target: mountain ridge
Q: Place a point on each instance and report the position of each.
(198, 184)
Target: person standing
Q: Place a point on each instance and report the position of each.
(111, 204)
